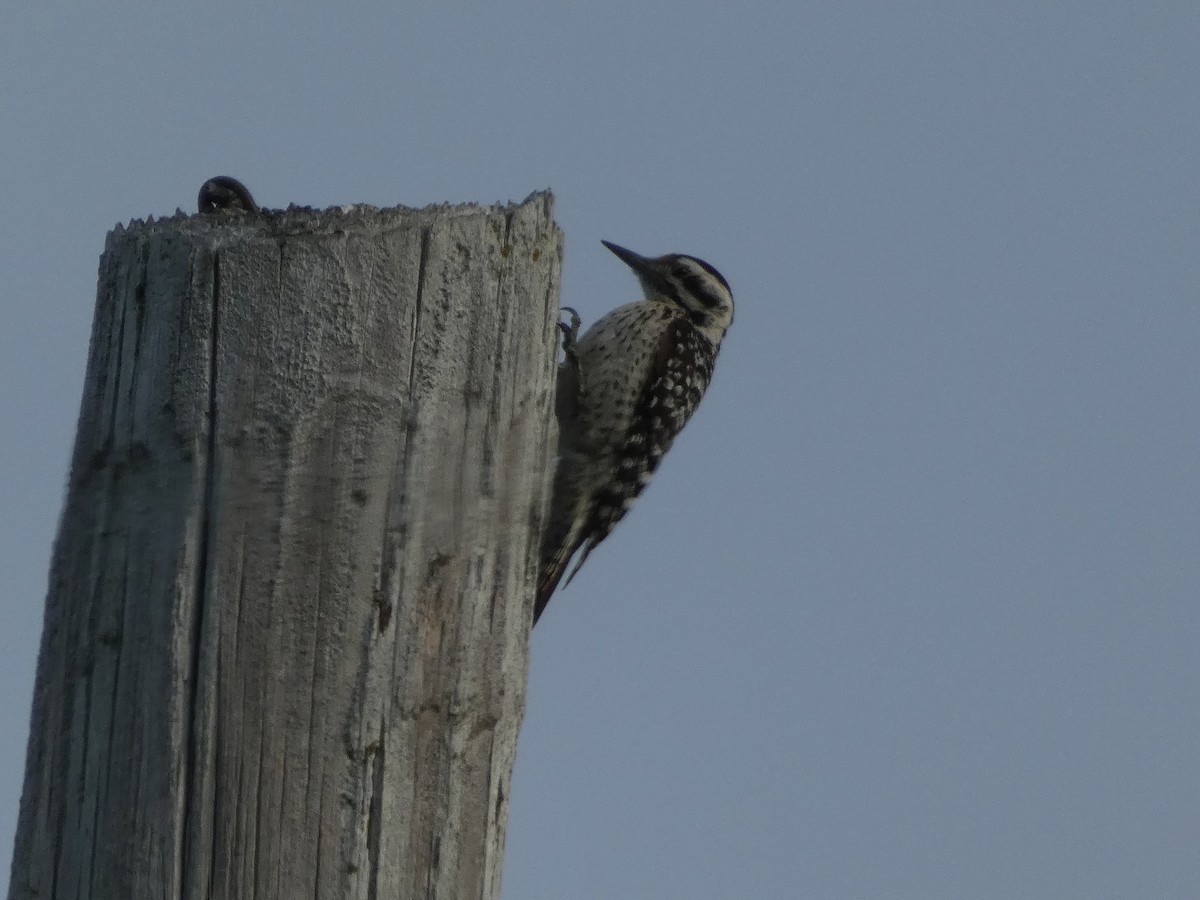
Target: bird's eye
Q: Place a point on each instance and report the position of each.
(698, 287)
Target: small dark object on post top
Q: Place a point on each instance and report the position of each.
(224, 193)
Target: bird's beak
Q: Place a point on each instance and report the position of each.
(635, 261)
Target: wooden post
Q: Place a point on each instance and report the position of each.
(286, 633)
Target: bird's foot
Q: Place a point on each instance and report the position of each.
(570, 374)
(570, 334)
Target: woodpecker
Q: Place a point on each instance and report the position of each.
(625, 390)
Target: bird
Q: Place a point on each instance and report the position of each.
(224, 193)
(625, 390)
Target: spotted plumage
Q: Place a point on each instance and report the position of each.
(626, 389)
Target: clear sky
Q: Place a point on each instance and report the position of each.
(912, 609)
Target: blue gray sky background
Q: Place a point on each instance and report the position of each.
(912, 610)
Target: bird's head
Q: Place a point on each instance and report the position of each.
(690, 283)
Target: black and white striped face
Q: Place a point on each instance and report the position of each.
(687, 282)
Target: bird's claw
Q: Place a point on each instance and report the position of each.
(570, 374)
(570, 332)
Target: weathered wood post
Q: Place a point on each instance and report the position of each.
(287, 625)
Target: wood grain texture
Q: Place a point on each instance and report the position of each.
(286, 633)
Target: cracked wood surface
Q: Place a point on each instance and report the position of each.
(286, 633)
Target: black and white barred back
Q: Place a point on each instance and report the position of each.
(631, 384)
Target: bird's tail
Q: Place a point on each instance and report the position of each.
(564, 533)
(554, 564)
